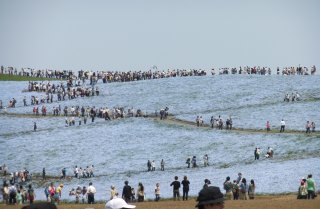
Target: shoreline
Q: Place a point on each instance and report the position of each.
(260, 202)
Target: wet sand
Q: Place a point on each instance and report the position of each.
(261, 202)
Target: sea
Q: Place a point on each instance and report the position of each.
(119, 149)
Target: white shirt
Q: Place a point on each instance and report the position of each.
(282, 123)
(91, 190)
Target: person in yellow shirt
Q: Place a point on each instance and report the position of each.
(57, 195)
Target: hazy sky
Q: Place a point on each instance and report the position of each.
(137, 34)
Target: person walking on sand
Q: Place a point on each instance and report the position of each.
(311, 187)
(91, 191)
(157, 192)
(282, 125)
(126, 192)
(185, 189)
(176, 188)
(251, 189)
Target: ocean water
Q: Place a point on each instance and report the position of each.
(120, 149)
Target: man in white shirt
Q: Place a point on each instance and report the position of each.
(90, 192)
(283, 124)
(153, 166)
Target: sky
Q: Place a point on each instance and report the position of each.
(170, 34)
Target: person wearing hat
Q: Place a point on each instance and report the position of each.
(210, 198)
(57, 195)
(118, 203)
(206, 183)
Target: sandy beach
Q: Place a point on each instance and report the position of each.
(261, 202)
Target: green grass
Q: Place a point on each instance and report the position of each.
(6, 77)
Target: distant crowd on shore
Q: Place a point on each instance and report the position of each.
(153, 73)
(13, 190)
(238, 189)
(228, 124)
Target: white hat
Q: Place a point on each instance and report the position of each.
(118, 203)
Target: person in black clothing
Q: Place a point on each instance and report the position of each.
(206, 183)
(188, 162)
(126, 192)
(149, 165)
(210, 197)
(176, 188)
(43, 174)
(185, 183)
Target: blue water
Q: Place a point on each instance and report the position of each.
(120, 149)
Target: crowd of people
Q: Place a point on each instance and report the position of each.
(152, 165)
(85, 172)
(153, 73)
(192, 161)
(216, 122)
(69, 90)
(243, 70)
(16, 194)
(297, 70)
(31, 72)
(16, 177)
(238, 189)
(294, 97)
(258, 152)
(307, 188)
(310, 127)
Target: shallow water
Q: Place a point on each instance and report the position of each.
(120, 149)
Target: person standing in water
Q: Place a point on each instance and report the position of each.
(43, 174)
(34, 126)
(268, 126)
(283, 125)
(162, 165)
